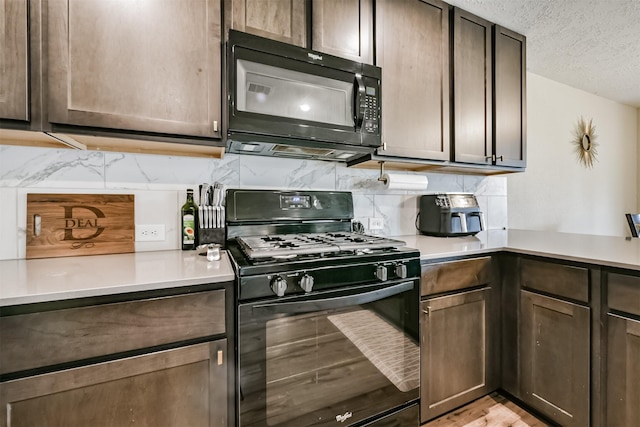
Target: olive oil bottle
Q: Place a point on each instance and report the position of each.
(189, 215)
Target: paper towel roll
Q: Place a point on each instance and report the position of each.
(394, 181)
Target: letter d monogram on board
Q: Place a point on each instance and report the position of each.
(74, 223)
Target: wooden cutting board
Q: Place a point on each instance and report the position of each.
(79, 224)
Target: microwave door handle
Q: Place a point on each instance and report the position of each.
(359, 101)
(330, 303)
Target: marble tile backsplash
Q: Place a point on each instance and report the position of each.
(159, 184)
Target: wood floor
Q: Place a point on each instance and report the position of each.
(493, 410)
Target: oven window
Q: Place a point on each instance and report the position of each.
(317, 368)
(265, 89)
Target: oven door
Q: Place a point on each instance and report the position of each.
(332, 358)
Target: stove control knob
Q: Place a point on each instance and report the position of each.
(278, 286)
(381, 273)
(401, 271)
(306, 283)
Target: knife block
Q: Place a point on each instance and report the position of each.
(211, 235)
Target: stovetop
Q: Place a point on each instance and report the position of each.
(257, 277)
(288, 246)
(285, 243)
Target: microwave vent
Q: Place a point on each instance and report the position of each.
(256, 88)
(300, 151)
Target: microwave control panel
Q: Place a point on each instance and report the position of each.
(371, 123)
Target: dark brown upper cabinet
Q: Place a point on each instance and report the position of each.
(134, 66)
(282, 20)
(509, 98)
(342, 28)
(489, 91)
(412, 47)
(14, 70)
(472, 94)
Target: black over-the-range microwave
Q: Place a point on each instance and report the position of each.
(292, 102)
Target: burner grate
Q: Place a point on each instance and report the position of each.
(288, 245)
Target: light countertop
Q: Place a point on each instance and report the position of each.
(608, 251)
(51, 279)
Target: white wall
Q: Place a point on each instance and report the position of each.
(556, 192)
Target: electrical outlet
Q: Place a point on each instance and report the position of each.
(376, 223)
(149, 232)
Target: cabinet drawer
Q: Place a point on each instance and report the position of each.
(624, 293)
(455, 275)
(47, 338)
(557, 279)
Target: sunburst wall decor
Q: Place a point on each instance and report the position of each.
(584, 142)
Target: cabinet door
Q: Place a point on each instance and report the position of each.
(343, 28)
(554, 358)
(509, 100)
(623, 372)
(412, 47)
(456, 351)
(149, 65)
(182, 387)
(14, 71)
(282, 20)
(472, 74)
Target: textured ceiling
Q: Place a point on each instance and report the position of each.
(593, 45)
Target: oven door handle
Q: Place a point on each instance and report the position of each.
(330, 303)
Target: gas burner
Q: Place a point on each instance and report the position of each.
(286, 245)
(318, 244)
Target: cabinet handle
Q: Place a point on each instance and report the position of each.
(215, 126)
(493, 158)
(220, 361)
(427, 311)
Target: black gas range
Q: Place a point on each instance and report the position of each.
(327, 319)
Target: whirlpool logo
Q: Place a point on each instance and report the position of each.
(344, 417)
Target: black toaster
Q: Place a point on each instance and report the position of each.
(450, 214)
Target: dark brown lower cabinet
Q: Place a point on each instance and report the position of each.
(185, 386)
(554, 358)
(457, 355)
(623, 371)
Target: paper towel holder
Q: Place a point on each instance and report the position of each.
(381, 177)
